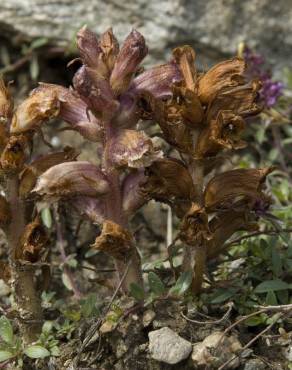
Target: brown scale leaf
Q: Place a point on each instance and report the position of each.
(222, 133)
(33, 240)
(223, 75)
(15, 153)
(241, 187)
(194, 229)
(114, 240)
(28, 177)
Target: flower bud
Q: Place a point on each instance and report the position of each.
(114, 241)
(223, 75)
(132, 53)
(71, 179)
(40, 106)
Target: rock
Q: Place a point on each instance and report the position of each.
(148, 317)
(216, 349)
(254, 364)
(167, 346)
(213, 27)
(4, 289)
(288, 353)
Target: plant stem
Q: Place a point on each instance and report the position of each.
(115, 213)
(27, 299)
(195, 256)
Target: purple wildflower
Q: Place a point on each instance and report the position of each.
(271, 90)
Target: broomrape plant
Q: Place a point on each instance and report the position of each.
(200, 115)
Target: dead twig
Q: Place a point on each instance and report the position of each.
(211, 322)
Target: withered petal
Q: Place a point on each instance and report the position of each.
(71, 179)
(185, 58)
(223, 75)
(114, 240)
(133, 199)
(132, 52)
(132, 149)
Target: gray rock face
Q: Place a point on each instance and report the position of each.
(167, 346)
(254, 364)
(213, 27)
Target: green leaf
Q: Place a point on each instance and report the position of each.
(183, 283)
(88, 305)
(66, 281)
(137, 292)
(276, 262)
(283, 296)
(36, 351)
(46, 217)
(41, 41)
(255, 320)
(55, 351)
(155, 284)
(271, 299)
(5, 355)
(6, 330)
(222, 297)
(273, 285)
(34, 67)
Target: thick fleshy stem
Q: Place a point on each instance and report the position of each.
(26, 296)
(115, 213)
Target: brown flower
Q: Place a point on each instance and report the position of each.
(194, 229)
(72, 179)
(32, 242)
(241, 187)
(15, 153)
(224, 225)
(241, 100)
(132, 149)
(222, 133)
(223, 75)
(169, 181)
(132, 53)
(6, 103)
(133, 199)
(41, 105)
(29, 175)
(114, 240)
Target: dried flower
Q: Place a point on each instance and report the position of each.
(133, 149)
(227, 74)
(28, 177)
(235, 188)
(114, 240)
(41, 105)
(32, 242)
(194, 229)
(72, 179)
(15, 153)
(222, 133)
(6, 103)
